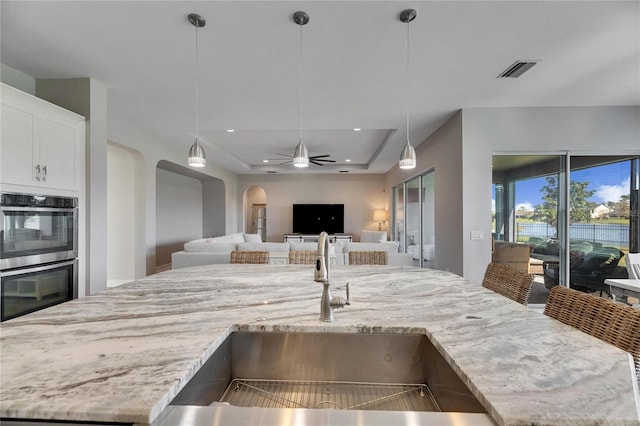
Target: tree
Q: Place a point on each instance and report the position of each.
(625, 206)
(579, 205)
(620, 208)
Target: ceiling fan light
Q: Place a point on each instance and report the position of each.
(301, 155)
(407, 157)
(196, 155)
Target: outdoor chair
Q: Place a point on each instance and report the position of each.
(368, 258)
(605, 319)
(255, 257)
(633, 266)
(302, 256)
(587, 271)
(509, 282)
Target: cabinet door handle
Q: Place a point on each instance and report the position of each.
(44, 170)
(37, 172)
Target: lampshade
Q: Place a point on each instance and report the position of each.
(408, 157)
(301, 155)
(379, 215)
(196, 155)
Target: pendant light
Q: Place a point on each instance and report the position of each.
(196, 152)
(408, 155)
(301, 154)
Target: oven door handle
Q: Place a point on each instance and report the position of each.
(36, 269)
(38, 209)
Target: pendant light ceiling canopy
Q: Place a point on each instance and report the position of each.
(301, 154)
(196, 157)
(408, 155)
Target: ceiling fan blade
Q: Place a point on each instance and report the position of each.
(320, 159)
(319, 156)
(315, 162)
(284, 155)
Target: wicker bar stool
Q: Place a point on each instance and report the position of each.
(255, 257)
(306, 257)
(509, 282)
(368, 258)
(605, 319)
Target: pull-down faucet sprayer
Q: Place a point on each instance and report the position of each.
(321, 274)
(322, 262)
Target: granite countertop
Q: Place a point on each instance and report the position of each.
(122, 355)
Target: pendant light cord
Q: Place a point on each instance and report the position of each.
(197, 86)
(300, 86)
(407, 81)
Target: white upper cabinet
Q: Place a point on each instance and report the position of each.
(41, 144)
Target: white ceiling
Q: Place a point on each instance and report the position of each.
(353, 75)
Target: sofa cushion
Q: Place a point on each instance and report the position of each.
(373, 236)
(206, 245)
(263, 247)
(238, 237)
(252, 238)
(388, 246)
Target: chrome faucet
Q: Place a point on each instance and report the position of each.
(321, 274)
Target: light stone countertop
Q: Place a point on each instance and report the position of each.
(122, 355)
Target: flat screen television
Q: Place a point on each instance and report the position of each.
(315, 218)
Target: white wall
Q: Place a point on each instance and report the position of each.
(178, 213)
(488, 131)
(360, 194)
(214, 207)
(121, 214)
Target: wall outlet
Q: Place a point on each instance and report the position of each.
(477, 235)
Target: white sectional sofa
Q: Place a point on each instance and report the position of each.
(206, 251)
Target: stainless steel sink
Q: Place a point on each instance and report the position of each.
(327, 372)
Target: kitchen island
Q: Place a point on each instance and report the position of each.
(124, 354)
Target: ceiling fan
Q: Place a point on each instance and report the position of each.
(315, 159)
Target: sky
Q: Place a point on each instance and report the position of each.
(609, 182)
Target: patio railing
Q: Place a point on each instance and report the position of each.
(606, 233)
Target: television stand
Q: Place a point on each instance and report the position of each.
(313, 238)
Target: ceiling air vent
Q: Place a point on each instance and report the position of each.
(517, 69)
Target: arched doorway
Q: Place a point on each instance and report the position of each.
(255, 211)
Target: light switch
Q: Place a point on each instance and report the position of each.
(477, 235)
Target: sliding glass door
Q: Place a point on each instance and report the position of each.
(414, 219)
(577, 214)
(601, 226)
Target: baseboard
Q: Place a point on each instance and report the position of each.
(162, 268)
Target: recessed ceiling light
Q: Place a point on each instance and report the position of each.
(265, 161)
(230, 130)
(348, 160)
(356, 129)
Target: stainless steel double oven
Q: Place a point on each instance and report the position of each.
(38, 252)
